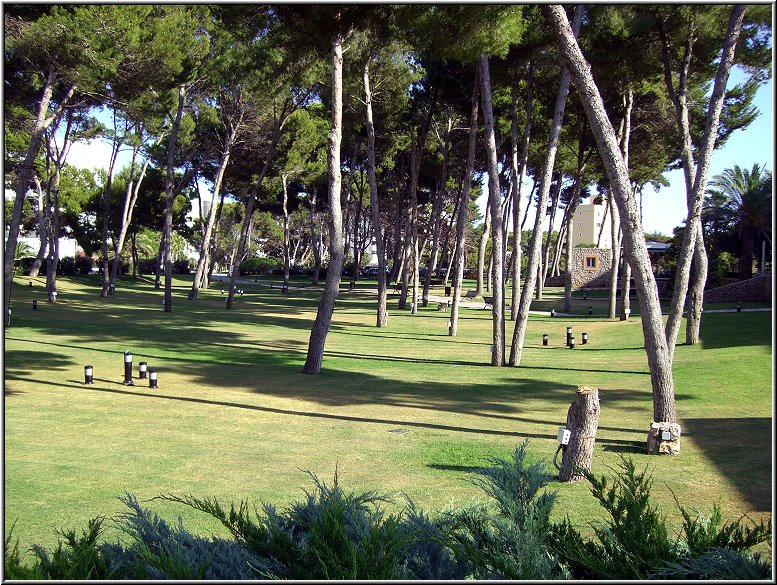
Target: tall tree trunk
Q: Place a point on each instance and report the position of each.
(286, 259)
(519, 167)
(495, 195)
(544, 260)
(245, 229)
(658, 356)
(106, 274)
(202, 261)
(436, 219)
(24, 179)
(326, 306)
(570, 217)
(407, 260)
(43, 231)
(170, 193)
(460, 252)
(482, 244)
(628, 103)
(616, 259)
(315, 243)
(696, 185)
(519, 333)
(382, 313)
(696, 290)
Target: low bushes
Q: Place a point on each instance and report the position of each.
(334, 534)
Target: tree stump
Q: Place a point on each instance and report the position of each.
(582, 421)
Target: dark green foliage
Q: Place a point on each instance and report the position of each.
(507, 540)
(634, 538)
(260, 265)
(718, 563)
(181, 267)
(705, 532)
(635, 544)
(332, 534)
(79, 557)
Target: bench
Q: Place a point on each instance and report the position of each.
(471, 294)
(436, 282)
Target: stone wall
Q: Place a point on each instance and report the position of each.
(758, 288)
(600, 276)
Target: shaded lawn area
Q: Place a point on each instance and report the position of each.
(403, 410)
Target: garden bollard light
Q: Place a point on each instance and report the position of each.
(569, 334)
(590, 311)
(572, 342)
(34, 304)
(585, 338)
(142, 367)
(112, 289)
(553, 312)
(739, 306)
(545, 339)
(30, 285)
(585, 297)
(128, 369)
(152, 378)
(88, 375)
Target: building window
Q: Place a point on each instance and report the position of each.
(591, 263)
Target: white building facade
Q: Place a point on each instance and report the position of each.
(591, 225)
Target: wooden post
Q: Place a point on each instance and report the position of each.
(582, 421)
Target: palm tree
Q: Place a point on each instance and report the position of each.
(742, 199)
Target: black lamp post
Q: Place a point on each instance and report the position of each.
(585, 338)
(128, 369)
(544, 339)
(88, 375)
(142, 368)
(152, 378)
(572, 342)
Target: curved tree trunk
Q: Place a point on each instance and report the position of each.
(656, 348)
(519, 333)
(43, 231)
(698, 183)
(382, 315)
(518, 180)
(482, 244)
(696, 290)
(543, 268)
(494, 195)
(169, 200)
(326, 306)
(460, 252)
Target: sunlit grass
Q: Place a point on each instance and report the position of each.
(404, 410)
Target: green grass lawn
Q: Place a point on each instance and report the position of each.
(403, 410)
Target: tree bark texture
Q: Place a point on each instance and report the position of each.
(696, 290)
(582, 421)
(658, 356)
(169, 200)
(533, 261)
(519, 174)
(482, 245)
(326, 306)
(696, 193)
(460, 251)
(494, 195)
(382, 313)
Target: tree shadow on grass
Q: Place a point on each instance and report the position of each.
(740, 448)
(722, 330)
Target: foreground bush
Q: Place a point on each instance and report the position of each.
(334, 534)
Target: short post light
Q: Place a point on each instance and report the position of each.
(88, 375)
(128, 369)
(112, 289)
(585, 296)
(34, 304)
(544, 339)
(585, 338)
(142, 368)
(569, 334)
(30, 284)
(590, 311)
(572, 342)
(553, 312)
(739, 306)
(152, 378)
